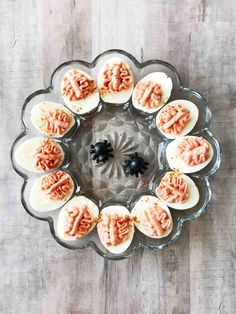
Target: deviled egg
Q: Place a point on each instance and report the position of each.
(115, 81)
(178, 191)
(77, 218)
(177, 118)
(51, 191)
(115, 228)
(152, 217)
(52, 119)
(189, 154)
(39, 154)
(152, 92)
(79, 91)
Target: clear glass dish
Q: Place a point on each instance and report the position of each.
(128, 130)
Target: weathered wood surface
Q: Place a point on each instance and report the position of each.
(197, 274)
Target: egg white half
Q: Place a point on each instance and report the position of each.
(166, 87)
(114, 97)
(192, 191)
(40, 109)
(24, 154)
(41, 202)
(178, 164)
(84, 105)
(76, 201)
(144, 203)
(121, 211)
(190, 125)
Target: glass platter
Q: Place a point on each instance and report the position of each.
(128, 130)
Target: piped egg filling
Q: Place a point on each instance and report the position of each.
(47, 156)
(115, 78)
(76, 85)
(78, 221)
(57, 185)
(173, 189)
(148, 94)
(173, 119)
(114, 229)
(56, 121)
(193, 150)
(154, 220)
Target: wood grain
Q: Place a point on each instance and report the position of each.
(195, 275)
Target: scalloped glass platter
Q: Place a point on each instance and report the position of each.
(128, 130)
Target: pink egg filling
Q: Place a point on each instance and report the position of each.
(78, 221)
(155, 220)
(76, 85)
(173, 119)
(56, 121)
(148, 94)
(115, 78)
(114, 229)
(173, 189)
(47, 156)
(193, 150)
(57, 185)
